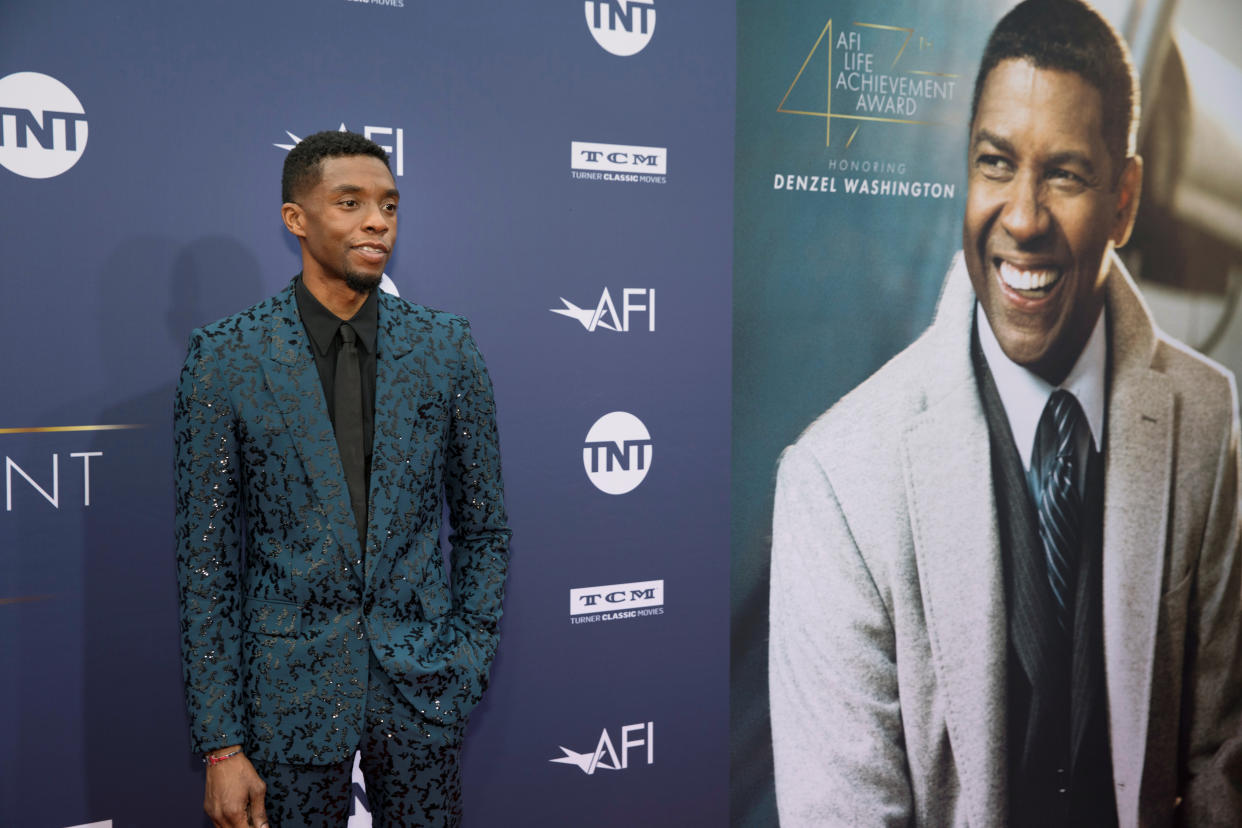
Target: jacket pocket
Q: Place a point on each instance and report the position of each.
(269, 617)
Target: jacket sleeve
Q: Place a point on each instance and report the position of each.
(209, 556)
(1212, 697)
(837, 738)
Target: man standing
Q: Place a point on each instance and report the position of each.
(1005, 569)
(317, 435)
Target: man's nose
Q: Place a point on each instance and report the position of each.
(1025, 216)
(376, 219)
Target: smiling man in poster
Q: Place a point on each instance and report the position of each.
(1005, 569)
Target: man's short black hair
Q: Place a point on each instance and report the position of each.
(1071, 36)
(302, 163)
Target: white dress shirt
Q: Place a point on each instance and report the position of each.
(1024, 394)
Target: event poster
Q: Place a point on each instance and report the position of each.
(850, 186)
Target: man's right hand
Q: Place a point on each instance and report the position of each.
(234, 797)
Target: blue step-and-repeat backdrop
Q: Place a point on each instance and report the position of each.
(566, 171)
(681, 229)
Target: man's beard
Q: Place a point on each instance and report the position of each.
(360, 283)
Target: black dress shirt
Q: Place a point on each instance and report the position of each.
(322, 326)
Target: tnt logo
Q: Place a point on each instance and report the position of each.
(617, 453)
(52, 497)
(606, 755)
(622, 27)
(42, 125)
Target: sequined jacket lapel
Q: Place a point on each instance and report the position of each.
(289, 368)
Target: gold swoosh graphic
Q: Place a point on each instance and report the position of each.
(48, 429)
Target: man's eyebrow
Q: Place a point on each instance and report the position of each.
(984, 136)
(391, 192)
(1057, 159)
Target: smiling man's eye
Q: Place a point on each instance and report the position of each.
(1066, 175)
(994, 166)
(1067, 181)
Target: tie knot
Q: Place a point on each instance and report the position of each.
(1061, 416)
(347, 334)
(1065, 411)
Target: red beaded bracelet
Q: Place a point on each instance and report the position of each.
(211, 761)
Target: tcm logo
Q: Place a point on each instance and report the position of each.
(622, 27)
(390, 139)
(636, 302)
(616, 602)
(606, 755)
(42, 125)
(617, 453)
(619, 158)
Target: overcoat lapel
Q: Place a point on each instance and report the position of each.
(956, 544)
(1139, 442)
(1032, 627)
(294, 382)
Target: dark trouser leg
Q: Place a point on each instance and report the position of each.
(412, 768)
(307, 796)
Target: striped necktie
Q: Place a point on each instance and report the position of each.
(1060, 501)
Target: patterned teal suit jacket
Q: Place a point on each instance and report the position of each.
(279, 605)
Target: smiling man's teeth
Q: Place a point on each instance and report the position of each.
(1028, 279)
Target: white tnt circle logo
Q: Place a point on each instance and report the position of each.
(622, 27)
(617, 452)
(42, 125)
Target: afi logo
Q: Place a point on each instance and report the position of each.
(617, 453)
(633, 301)
(394, 136)
(43, 126)
(622, 27)
(359, 805)
(606, 756)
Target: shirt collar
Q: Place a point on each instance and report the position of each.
(322, 324)
(1024, 394)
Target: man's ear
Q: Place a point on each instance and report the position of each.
(1129, 188)
(293, 217)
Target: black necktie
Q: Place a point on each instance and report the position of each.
(1060, 501)
(347, 407)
